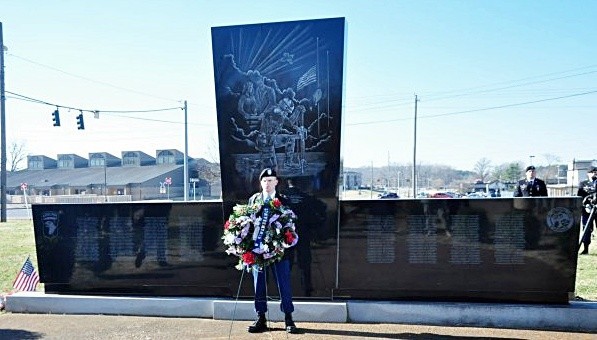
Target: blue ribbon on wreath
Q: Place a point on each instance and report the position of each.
(262, 226)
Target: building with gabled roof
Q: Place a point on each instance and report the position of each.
(135, 176)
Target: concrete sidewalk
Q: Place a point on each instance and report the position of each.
(572, 317)
(50, 326)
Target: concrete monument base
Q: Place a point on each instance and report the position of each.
(576, 316)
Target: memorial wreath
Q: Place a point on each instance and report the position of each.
(258, 241)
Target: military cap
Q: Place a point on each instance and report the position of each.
(267, 172)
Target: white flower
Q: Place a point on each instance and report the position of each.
(271, 249)
(229, 238)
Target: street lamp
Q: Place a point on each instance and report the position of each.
(531, 159)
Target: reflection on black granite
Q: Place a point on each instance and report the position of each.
(458, 249)
(515, 250)
(169, 249)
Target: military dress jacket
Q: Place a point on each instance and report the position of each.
(525, 189)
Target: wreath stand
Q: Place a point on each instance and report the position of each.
(267, 297)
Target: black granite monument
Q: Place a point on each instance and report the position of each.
(279, 98)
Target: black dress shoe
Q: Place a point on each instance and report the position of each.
(259, 326)
(584, 252)
(291, 328)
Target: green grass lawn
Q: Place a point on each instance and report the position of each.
(17, 242)
(586, 275)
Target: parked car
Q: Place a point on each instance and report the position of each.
(389, 195)
(441, 195)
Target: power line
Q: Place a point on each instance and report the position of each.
(511, 105)
(91, 80)
(107, 112)
(39, 101)
(472, 90)
(512, 86)
(481, 109)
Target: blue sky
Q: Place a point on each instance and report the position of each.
(500, 80)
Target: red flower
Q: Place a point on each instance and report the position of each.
(276, 202)
(289, 237)
(227, 225)
(249, 258)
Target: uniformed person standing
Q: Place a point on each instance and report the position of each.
(531, 186)
(586, 188)
(281, 269)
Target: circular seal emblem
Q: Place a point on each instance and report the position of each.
(560, 219)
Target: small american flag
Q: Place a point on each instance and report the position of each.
(27, 279)
(308, 78)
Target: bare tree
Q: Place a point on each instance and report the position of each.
(482, 169)
(213, 151)
(16, 153)
(551, 171)
(209, 170)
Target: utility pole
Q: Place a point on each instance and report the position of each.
(371, 187)
(389, 177)
(414, 179)
(185, 181)
(2, 132)
(105, 191)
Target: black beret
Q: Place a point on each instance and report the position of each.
(592, 169)
(267, 172)
(530, 167)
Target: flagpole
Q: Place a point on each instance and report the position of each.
(328, 86)
(317, 74)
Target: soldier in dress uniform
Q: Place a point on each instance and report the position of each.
(531, 186)
(586, 188)
(281, 269)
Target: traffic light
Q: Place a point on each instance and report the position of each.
(56, 117)
(80, 123)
